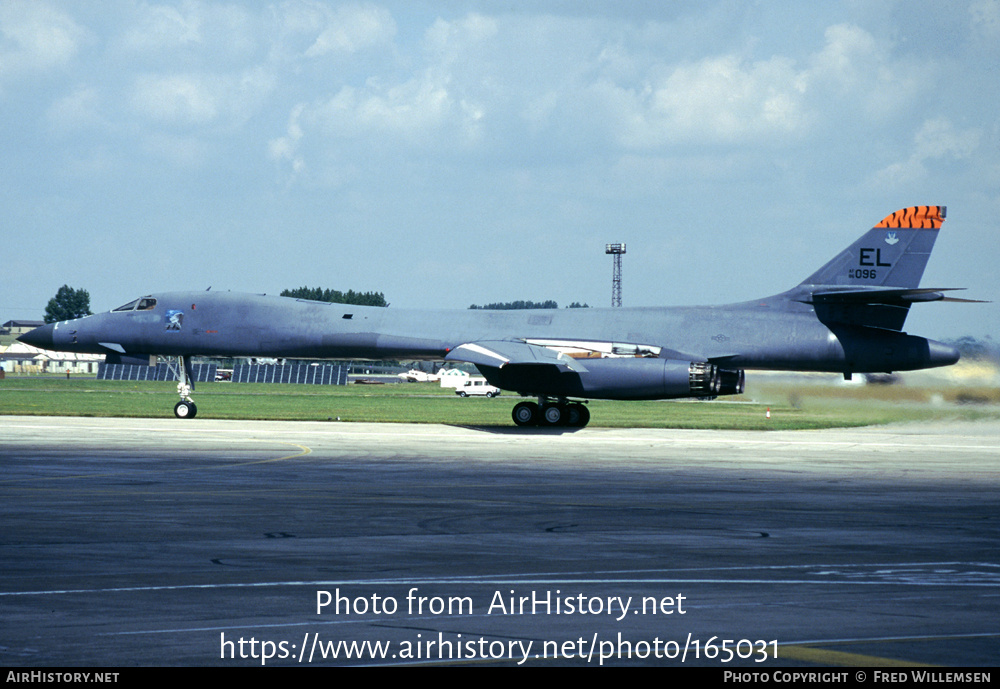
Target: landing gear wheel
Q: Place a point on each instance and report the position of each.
(525, 414)
(185, 410)
(554, 415)
(577, 415)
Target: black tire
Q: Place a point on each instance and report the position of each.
(185, 410)
(554, 415)
(577, 415)
(461, 393)
(525, 414)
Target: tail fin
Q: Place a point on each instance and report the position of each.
(874, 281)
(891, 254)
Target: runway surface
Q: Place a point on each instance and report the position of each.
(163, 542)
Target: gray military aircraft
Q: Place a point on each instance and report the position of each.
(846, 317)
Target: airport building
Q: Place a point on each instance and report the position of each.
(23, 359)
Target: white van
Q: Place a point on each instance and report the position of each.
(476, 386)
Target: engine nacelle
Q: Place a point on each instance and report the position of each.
(620, 379)
(732, 382)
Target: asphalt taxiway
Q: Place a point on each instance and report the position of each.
(165, 542)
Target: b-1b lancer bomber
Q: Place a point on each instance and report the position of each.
(847, 317)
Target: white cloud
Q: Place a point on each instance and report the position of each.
(200, 98)
(80, 109)
(408, 109)
(176, 98)
(723, 98)
(730, 99)
(286, 148)
(544, 85)
(419, 114)
(306, 28)
(718, 99)
(855, 72)
(190, 30)
(164, 27)
(985, 17)
(846, 59)
(352, 28)
(449, 41)
(35, 37)
(936, 140)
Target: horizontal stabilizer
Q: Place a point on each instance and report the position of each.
(896, 297)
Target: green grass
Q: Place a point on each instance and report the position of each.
(792, 407)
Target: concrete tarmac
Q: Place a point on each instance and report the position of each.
(162, 542)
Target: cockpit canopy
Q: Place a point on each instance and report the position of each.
(141, 304)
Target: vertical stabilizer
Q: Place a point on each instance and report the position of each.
(851, 289)
(891, 254)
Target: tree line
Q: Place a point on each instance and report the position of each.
(336, 296)
(522, 304)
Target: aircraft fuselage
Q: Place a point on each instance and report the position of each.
(770, 333)
(846, 317)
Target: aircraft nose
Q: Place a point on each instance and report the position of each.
(39, 337)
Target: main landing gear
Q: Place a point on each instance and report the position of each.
(185, 409)
(549, 412)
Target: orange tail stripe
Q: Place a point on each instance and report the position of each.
(915, 216)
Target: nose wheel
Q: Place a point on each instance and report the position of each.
(185, 410)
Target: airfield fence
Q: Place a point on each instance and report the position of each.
(202, 372)
(303, 374)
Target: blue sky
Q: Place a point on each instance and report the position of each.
(447, 153)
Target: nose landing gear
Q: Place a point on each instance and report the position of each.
(185, 409)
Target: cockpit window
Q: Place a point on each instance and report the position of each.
(128, 307)
(144, 304)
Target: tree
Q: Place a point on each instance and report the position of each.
(68, 304)
(522, 304)
(336, 296)
(517, 305)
